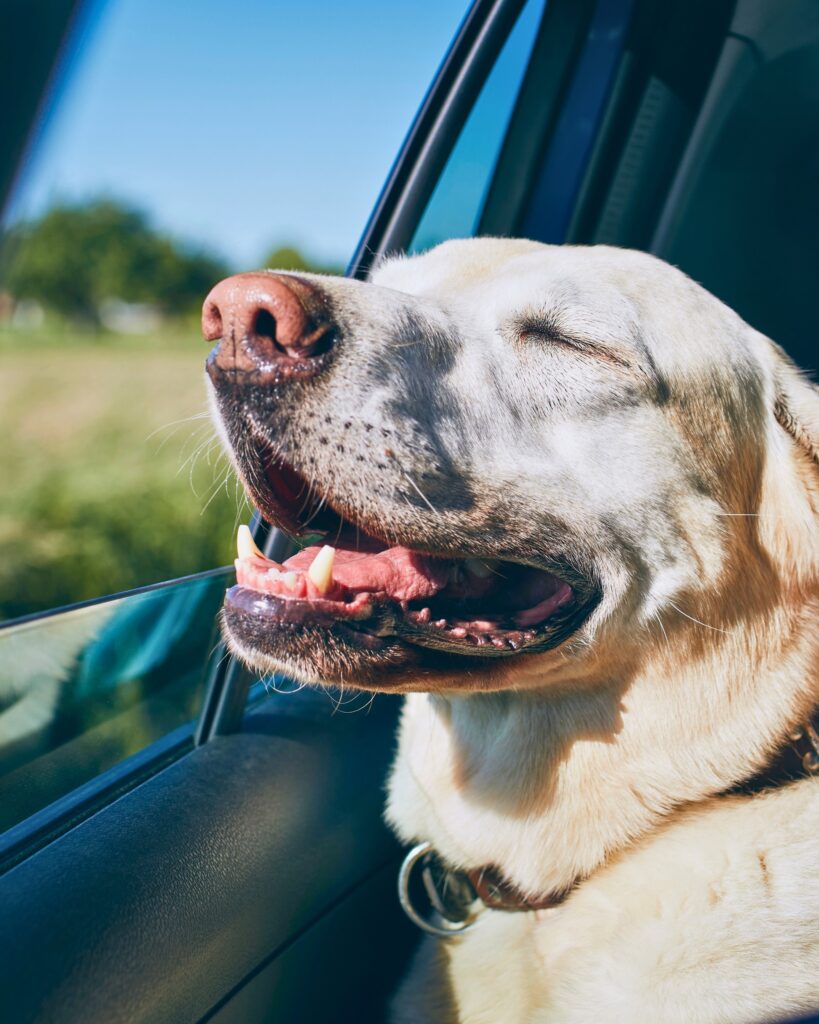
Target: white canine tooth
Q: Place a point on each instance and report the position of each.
(481, 567)
(245, 544)
(321, 571)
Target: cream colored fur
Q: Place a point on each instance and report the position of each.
(603, 766)
(671, 450)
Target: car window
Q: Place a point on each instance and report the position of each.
(455, 207)
(84, 689)
(155, 175)
(159, 165)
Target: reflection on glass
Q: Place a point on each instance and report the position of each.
(83, 689)
(454, 209)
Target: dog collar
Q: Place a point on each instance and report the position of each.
(798, 757)
(452, 894)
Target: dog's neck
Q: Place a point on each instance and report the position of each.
(549, 784)
(551, 779)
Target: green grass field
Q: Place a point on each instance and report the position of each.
(103, 488)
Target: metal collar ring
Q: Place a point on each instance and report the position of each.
(446, 929)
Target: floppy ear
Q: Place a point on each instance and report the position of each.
(796, 404)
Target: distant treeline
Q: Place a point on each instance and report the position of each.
(76, 257)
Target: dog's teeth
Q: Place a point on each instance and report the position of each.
(246, 545)
(481, 567)
(290, 579)
(321, 571)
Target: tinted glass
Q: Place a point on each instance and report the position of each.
(455, 207)
(84, 689)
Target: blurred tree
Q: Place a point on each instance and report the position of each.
(289, 257)
(75, 256)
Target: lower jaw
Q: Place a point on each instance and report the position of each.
(334, 655)
(389, 623)
(343, 654)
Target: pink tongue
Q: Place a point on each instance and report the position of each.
(401, 573)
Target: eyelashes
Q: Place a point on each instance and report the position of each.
(541, 327)
(547, 333)
(544, 336)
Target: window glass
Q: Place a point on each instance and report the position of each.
(182, 145)
(83, 689)
(454, 209)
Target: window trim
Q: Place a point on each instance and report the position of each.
(49, 613)
(42, 827)
(435, 131)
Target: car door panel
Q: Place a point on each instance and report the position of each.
(174, 895)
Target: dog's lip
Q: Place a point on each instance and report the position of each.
(383, 624)
(279, 493)
(400, 592)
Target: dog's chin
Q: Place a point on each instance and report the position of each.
(335, 657)
(332, 656)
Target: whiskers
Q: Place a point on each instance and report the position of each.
(408, 477)
(202, 448)
(174, 425)
(657, 617)
(699, 622)
(272, 685)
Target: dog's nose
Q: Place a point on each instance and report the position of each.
(264, 319)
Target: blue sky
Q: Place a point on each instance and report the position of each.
(241, 123)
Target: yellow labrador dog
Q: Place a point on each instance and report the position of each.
(567, 502)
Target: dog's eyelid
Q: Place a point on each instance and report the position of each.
(551, 333)
(545, 331)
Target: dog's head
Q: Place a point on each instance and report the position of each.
(518, 459)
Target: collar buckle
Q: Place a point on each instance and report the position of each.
(450, 894)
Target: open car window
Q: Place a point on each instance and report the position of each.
(123, 215)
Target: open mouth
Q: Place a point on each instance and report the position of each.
(368, 592)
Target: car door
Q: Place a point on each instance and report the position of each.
(236, 868)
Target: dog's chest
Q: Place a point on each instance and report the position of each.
(713, 918)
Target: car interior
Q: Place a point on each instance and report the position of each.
(237, 868)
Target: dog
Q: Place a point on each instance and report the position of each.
(567, 503)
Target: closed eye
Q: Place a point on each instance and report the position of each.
(545, 335)
(548, 333)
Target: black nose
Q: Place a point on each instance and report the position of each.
(266, 321)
